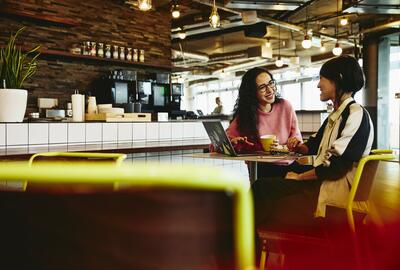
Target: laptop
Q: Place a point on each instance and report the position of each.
(219, 139)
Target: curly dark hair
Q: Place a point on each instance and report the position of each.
(245, 110)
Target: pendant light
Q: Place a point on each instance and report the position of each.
(279, 61)
(144, 5)
(337, 50)
(306, 43)
(182, 34)
(214, 19)
(175, 10)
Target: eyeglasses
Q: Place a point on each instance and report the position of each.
(263, 87)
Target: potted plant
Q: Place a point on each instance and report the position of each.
(15, 67)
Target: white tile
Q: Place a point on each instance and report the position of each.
(110, 132)
(188, 130)
(176, 131)
(316, 117)
(76, 132)
(38, 133)
(165, 131)
(299, 116)
(316, 126)
(2, 134)
(93, 132)
(307, 118)
(58, 133)
(139, 131)
(17, 134)
(152, 130)
(307, 127)
(200, 131)
(125, 132)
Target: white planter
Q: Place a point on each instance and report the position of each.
(12, 105)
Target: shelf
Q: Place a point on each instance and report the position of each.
(68, 55)
(46, 18)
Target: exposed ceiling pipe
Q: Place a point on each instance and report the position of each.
(381, 27)
(266, 19)
(197, 56)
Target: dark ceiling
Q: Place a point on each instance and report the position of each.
(246, 25)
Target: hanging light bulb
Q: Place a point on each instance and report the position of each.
(306, 43)
(322, 49)
(279, 62)
(268, 44)
(337, 50)
(175, 11)
(344, 21)
(144, 5)
(182, 34)
(214, 17)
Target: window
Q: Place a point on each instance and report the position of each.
(292, 92)
(311, 95)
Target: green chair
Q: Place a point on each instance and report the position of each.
(357, 203)
(162, 217)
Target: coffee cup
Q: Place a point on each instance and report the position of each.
(266, 141)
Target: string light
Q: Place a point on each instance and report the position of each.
(344, 21)
(306, 43)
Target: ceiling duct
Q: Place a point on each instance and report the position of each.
(257, 30)
(264, 5)
(389, 7)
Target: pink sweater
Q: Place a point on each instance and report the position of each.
(280, 121)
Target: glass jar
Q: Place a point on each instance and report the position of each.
(122, 53)
(100, 50)
(108, 51)
(141, 56)
(129, 54)
(115, 52)
(135, 55)
(93, 49)
(86, 48)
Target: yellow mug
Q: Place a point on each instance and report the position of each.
(266, 141)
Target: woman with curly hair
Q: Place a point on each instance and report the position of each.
(260, 111)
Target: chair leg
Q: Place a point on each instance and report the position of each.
(264, 255)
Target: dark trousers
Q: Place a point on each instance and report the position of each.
(287, 204)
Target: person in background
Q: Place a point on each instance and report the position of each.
(302, 191)
(260, 111)
(219, 109)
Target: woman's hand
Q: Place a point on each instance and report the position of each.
(237, 140)
(305, 176)
(292, 144)
(293, 176)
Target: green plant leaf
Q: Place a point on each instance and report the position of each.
(16, 65)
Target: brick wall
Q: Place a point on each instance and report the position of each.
(108, 21)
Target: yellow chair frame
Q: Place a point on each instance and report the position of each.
(353, 203)
(119, 158)
(153, 175)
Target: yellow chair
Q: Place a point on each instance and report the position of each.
(357, 202)
(164, 217)
(114, 159)
(117, 157)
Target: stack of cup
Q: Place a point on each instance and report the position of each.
(78, 107)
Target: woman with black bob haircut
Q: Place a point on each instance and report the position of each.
(259, 110)
(303, 191)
